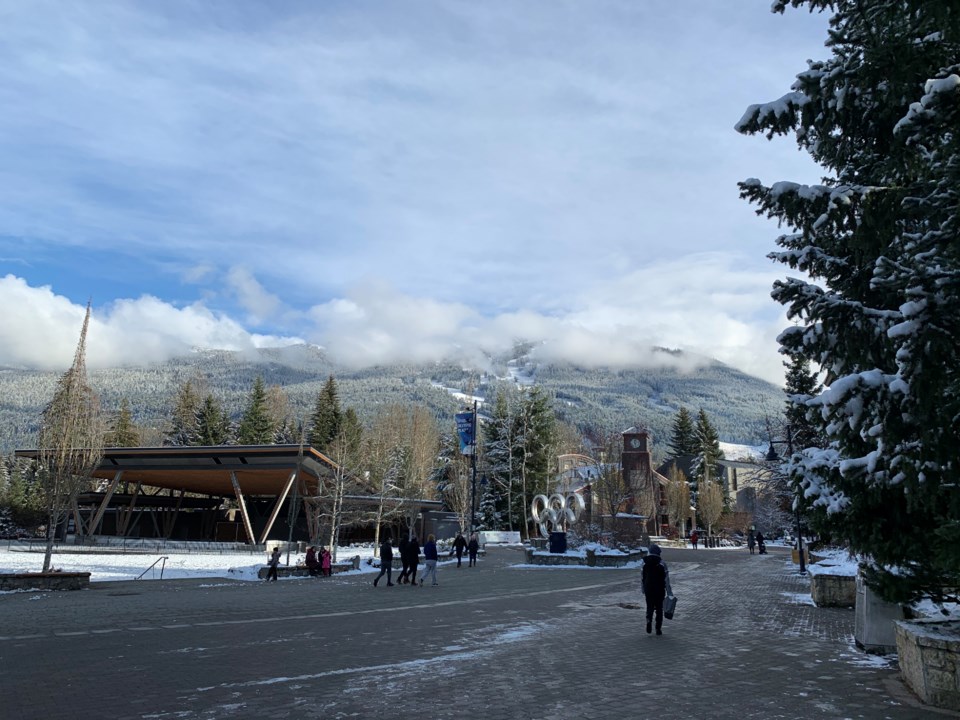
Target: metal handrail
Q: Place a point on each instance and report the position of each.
(164, 558)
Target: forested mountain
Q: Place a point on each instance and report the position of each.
(588, 398)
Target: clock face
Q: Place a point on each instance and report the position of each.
(635, 443)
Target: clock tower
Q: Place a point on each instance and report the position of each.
(636, 456)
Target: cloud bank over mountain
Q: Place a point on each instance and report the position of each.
(376, 324)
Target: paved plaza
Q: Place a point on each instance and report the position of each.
(496, 641)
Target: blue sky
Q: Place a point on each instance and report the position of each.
(392, 180)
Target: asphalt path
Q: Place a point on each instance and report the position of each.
(496, 641)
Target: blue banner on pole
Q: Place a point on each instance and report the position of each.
(465, 431)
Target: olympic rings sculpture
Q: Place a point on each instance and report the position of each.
(556, 512)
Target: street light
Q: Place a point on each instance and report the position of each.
(773, 457)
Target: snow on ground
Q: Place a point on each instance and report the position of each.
(799, 598)
(106, 566)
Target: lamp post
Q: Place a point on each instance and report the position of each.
(773, 457)
(473, 467)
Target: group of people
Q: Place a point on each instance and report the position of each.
(409, 550)
(319, 565)
(756, 540)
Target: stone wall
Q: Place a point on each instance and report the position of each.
(301, 570)
(591, 559)
(929, 656)
(45, 581)
(833, 590)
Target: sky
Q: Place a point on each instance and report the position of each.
(392, 181)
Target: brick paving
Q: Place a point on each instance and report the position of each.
(490, 642)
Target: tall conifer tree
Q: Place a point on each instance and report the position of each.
(708, 450)
(213, 423)
(256, 425)
(875, 294)
(125, 432)
(327, 416)
(683, 435)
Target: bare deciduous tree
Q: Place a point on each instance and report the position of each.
(70, 444)
(610, 488)
(457, 488)
(710, 502)
(347, 480)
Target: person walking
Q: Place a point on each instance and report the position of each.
(761, 544)
(386, 562)
(430, 559)
(751, 541)
(273, 563)
(404, 559)
(459, 545)
(473, 547)
(413, 559)
(694, 539)
(655, 583)
(326, 562)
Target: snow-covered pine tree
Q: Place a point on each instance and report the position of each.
(488, 507)
(683, 435)
(183, 429)
(535, 440)
(327, 415)
(125, 432)
(801, 385)
(256, 425)
(707, 449)
(878, 305)
(498, 453)
(213, 423)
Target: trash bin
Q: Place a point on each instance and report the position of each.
(558, 542)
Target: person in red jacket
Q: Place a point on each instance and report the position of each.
(694, 539)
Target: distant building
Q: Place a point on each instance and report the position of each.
(638, 472)
(742, 480)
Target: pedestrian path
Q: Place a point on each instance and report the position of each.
(496, 641)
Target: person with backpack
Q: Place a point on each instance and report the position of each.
(655, 583)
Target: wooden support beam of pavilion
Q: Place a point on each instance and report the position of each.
(243, 507)
(276, 507)
(98, 516)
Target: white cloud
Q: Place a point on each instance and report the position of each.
(658, 308)
(44, 331)
(260, 304)
(700, 304)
